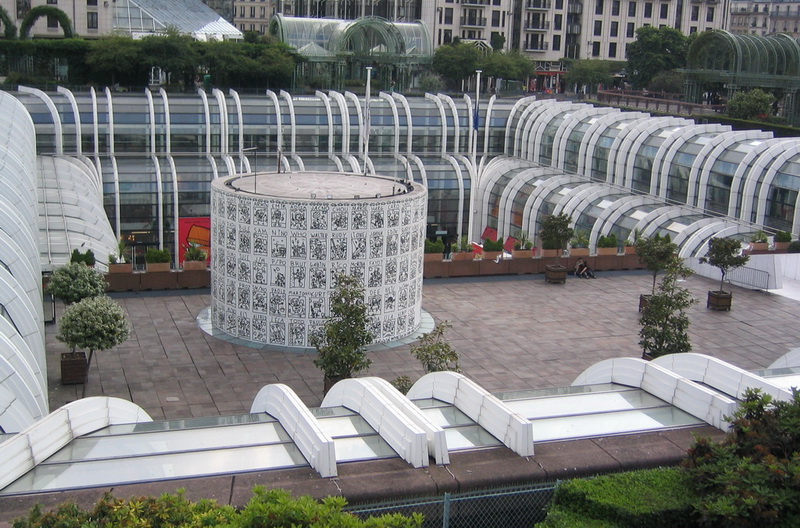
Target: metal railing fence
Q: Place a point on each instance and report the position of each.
(507, 507)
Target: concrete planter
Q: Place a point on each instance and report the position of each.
(154, 267)
(463, 255)
(522, 253)
(578, 252)
(606, 252)
(433, 257)
(120, 268)
(195, 265)
(551, 253)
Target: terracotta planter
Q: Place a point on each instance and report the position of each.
(719, 300)
(73, 368)
(551, 253)
(781, 246)
(555, 274)
(606, 252)
(578, 252)
(759, 246)
(630, 250)
(491, 255)
(195, 265)
(433, 257)
(522, 253)
(154, 267)
(120, 268)
(463, 255)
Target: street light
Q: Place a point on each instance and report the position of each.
(255, 167)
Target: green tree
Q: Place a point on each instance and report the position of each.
(497, 40)
(748, 105)
(435, 352)
(667, 82)
(656, 253)
(456, 62)
(341, 347)
(664, 322)
(431, 84)
(655, 50)
(589, 72)
(76, 281)
(724, 254)
(749, 479)
(555, 232)
(506, 65)
(115, 55)
(174, 53)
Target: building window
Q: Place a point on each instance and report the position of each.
(629, 30)
(91, 20)
(448, 36)
(615, 8)
(448, 15)
(252, 12)
(631, 9)
(648, 10)
(52, 22)
(664, 10)
(598, 28)
(692, 30)
(595, 49)
(496, 2)
(241, 11)
(559, 4)
(695, 13)
(495, 18)
(556, 42)
(91, 2)
(52, 2)
(612, 49)
(614, 29)
(710, 14)
(557, 20)
(263, 12)
(598, 7)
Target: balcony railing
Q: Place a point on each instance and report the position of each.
(538, 4)
(538, 46)
(475, 2)
(473, 21)
(537, 26)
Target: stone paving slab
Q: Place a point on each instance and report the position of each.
(512, 332)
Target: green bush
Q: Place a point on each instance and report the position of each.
(651, 498)
(194, 253)
(76, 281)
(783, 236)
(436, 246)
(794, 246)
(155, 256)
(492, 245)
(87, 258)
(609, 241)
(266, 509)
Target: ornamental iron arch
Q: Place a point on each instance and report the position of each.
(48, 11)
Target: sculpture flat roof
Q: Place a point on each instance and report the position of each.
(320, 186)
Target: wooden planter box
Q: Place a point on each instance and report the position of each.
(491, 255)
(781, 246)
(606, 252)
(578, 252)
(158, 266)
(120, 268)
(719, 300)
(630, 250)
(522, 253)
(551, 253)
(463, 255)
(73, 368)
(555, 274)
(195, 265)
(759, 246)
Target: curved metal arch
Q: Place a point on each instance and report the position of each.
(569, 124)
(695, 243)
(329, 113)
(151, 114)
(636, 141)
(616, 153)
(456, 124)
(207, 117)
(395, 118)
(766, 184)
(543, 191)
(440, 106)
(353, 37)
(527, 120)
(76, 116)
(51, 107)
(344, 115)
(595, 132)
(278, 118)
(742, 176)
(609, 217)
(223, 120)
(507, 199)
(479, 194)
(525, 101)
(763, 163)
(167, 120)
(286, 96)
(545, 119)
(409, 124)
(357, 104)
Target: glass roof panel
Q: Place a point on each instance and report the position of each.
(345, 426)
(584, 403)
(446, 416)
(362, 448)
(469, 437)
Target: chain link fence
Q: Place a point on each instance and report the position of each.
(509, 507)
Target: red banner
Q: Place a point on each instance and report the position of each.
(194, 232)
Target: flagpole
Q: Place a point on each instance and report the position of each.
(474, 185)
(367, 118)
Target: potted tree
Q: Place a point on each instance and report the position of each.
(523, 247)
(782, 240)
(607, 245)
(95, 323)
(462, 250)
(579, 245)
(664, 322)
(434, 250)
(492, 249)
(194, 258)
(655, 253)
(724, 254)
(74, 282)
(555, 232)
(759, 241)
(434, 351)
(157, 259)
(341, 346)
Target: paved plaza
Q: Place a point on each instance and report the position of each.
(512, 332)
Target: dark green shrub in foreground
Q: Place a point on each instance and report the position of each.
(794, 247)
(267, 509)
(648, 498)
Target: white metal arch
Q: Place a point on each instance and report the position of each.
(595, 132)
(395, 118)
(442, 117)
(409, 124)
(207, 116)
(753, 161)
(569, 124)
(76, 116)
(55, 116)
(630, 141)
(510, 123)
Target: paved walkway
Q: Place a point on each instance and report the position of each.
(512, 332)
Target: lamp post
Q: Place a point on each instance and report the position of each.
(474, 186)
(367, 118)
(255, 167)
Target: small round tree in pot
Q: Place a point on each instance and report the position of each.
(76, 281)
(555, 232)
(724, 254)
(342, 344)
(655, 253)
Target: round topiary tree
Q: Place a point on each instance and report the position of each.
(724, 254)
(656, 253)
(76, 281)
(95, 323)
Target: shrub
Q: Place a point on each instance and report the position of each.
(434, 351)
(783, 236)
(194, 253)
(87, 258)
(654, 498)
(492, 245)
(402, 383)
(609, 241)
(759, 236)
(155, 256)
(794, 246)
(436, 246)
(76, 281)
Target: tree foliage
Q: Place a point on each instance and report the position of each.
(341, 347)
(655, 50)
(114, 55)
(750, 479)
(435, 352)
(656, 253)
(506, 65)
(589, 72)
(667, 82)
(664, 322)
(724, 254)
(76, 281)
(555, 231)
(456, 62)
(95, 323)
(748, 105)
(45, 11)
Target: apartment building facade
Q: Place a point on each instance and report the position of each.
(763, 18)
(89, 18)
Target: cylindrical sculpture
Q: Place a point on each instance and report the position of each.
(279, 239)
